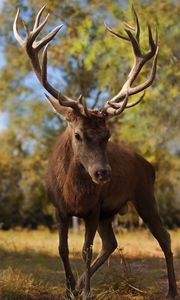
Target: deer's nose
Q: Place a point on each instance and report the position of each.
(103, 175)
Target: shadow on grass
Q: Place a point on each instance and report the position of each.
(38, 275)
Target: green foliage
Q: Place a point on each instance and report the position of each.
(87, 60)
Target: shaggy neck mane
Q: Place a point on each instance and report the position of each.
(75, 182)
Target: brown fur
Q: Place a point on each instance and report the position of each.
(72, 187)
(88, 178)
(130, 172)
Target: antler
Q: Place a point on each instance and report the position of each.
(33, 47)
(120, 101)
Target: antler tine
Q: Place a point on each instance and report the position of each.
(63, 100)
(16, 33)
(80, 99)
(38, 17)
(114, 109)
(131, 104)
(79, 106)
(48, 37)
(118, 108)
(116, 33)
(152, 44)
(134, 43)
(35, 32)
(44, 67)
(130, 38)
(129, 26)
(149, 81)
(137, 24)
(82, 103)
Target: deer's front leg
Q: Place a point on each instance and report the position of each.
(91, 223)
(109, 244)
(63, 224)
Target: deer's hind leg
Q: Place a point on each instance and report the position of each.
(147, 208)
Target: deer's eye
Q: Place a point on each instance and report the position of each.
(106, 138)
(78, 137)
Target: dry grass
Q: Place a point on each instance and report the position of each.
(30, 267)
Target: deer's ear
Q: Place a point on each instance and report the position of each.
(66, 112)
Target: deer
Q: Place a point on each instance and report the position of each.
(88, 175)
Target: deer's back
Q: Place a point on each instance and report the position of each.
(131, 173)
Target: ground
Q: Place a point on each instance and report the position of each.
(30, 268)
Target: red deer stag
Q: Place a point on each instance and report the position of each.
(88, 176)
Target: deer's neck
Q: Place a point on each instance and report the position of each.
(78, 187)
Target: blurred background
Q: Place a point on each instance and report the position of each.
(86, 59)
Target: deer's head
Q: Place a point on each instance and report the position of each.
(89, 133)
(89, 136)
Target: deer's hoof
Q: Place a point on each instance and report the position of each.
(69, 295)
(86, 296)
(80, 284)
(173, 296)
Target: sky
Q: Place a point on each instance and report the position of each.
(1, 4)
(3, 121)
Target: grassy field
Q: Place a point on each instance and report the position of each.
(30, 268)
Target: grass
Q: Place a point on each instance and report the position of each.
(30, 268)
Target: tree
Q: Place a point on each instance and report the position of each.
(87, 60)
